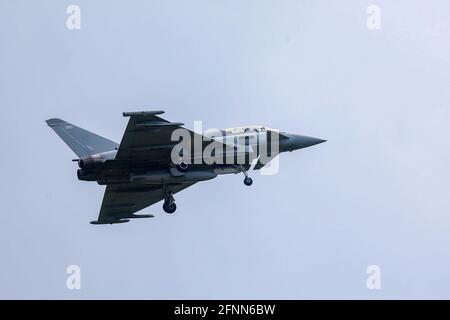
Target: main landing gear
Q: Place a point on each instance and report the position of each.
(169, 205)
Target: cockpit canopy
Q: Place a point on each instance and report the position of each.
(249, 129)
(213, 133)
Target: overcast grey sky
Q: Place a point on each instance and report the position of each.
(376, 193)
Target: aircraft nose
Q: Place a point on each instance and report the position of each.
(300, 142)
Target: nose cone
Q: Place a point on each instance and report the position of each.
(296, 142)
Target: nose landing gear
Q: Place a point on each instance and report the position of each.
(247, 181)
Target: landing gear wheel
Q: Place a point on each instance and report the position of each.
(169, 207)
(248, 181)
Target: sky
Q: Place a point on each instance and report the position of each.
(376, 193)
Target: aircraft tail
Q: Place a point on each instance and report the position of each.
(82, 142)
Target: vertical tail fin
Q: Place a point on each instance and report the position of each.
(82, 142)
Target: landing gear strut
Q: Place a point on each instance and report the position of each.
(169, 205)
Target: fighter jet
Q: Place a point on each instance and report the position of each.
(158, 158)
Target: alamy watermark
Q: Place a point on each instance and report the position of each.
(373, 281)
(373, 21)
(234, 147)
(73, 21)
(73, 281)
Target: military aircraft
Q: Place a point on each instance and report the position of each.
(158, 158)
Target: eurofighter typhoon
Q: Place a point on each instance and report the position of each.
(158, 158)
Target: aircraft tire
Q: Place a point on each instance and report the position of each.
(169, 207)
(248, 181)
